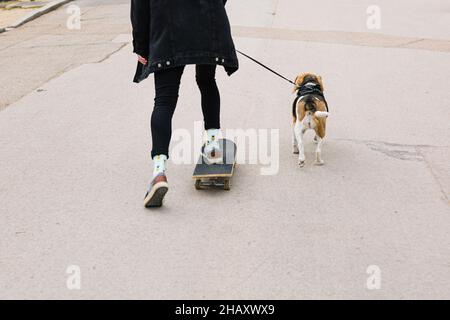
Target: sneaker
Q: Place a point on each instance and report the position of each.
(212, 152)
(156, 191)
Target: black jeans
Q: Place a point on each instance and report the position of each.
(167, 84)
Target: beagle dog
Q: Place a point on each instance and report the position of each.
(310, 111)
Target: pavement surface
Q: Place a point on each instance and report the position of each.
(8, 17)
(75, 140)
(12, 11)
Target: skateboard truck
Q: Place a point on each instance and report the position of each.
(224, 183)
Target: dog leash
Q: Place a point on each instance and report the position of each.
(281, 76)
(266, 67)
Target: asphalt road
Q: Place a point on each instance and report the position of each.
(75, 140)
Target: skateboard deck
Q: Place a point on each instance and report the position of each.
(216, 174)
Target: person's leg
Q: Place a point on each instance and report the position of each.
(167, 84)
(206, 81)
(205, 76)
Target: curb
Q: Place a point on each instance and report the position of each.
(37, 13)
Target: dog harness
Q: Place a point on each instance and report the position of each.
(310, 88)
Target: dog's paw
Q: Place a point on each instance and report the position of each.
(319, 162)
(295, 150)
(301, 163)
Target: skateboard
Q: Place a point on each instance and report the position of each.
(216, 175)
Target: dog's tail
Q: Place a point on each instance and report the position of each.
(310, 104)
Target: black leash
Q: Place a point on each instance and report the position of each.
(282, 77)
(266, 67)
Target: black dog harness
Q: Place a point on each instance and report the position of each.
(310, 88)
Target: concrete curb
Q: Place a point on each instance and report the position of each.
(39, 12)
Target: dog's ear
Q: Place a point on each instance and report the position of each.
(296, 86)
(298, 81)
(319, 78)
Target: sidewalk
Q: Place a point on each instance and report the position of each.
(48, 36)
(15, 13)
(75, 164)
(9, 16)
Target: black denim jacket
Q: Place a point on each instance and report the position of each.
(171, 33)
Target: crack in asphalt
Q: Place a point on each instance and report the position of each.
(123, 45)
(392, 144)
(401, 152)
(435, 176)
(406, 152)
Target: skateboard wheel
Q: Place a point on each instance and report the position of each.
(198, 184)
(226, 184)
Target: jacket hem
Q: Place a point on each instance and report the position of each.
(142, 72)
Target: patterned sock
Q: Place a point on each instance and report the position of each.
(212, 135)
(159, 164)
